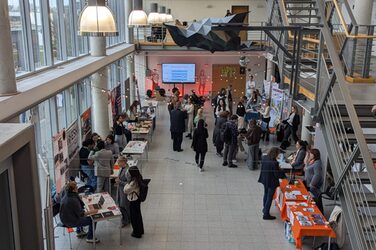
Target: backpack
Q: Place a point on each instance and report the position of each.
(144, 189)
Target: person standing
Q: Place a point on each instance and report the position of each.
(215, 101)
(229, 98)
(123, 202)
(240, 112)
(177, 126)
(199, 143)
(119, 129)
(269, 177)
(221, 107)
(291, 127)
(217, 139)
(250, 87)
(253, 138)
(199, 116)
(132, 189)
(103, 162)
(297, 162)
(230, 136)
(190, 108)
(265, 112)
(314, 177)
(112, 145)
(86, 164)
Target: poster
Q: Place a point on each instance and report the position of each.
(60, 149)
(276, 105)
(266, 88)
(116, 101)
(73, 140)
(287, 102)
(86, 124)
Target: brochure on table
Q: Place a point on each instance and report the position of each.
(135, 147)
(108, 209)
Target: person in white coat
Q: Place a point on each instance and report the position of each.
(190, 108)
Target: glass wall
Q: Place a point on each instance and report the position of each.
(45, 32)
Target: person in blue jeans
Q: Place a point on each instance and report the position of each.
(72, 213)
(87, 165)
(269, 177)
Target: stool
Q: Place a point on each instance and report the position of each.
(69, 231)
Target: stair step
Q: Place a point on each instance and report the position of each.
(362, 178)
(303, 16)
(306, 24)
(370, 138)
(365, 122)
(363, 110)
(301, 8)
(299, 1)
(369, 198)
(373, 157)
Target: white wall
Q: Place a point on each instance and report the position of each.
(188, 10)
(202, 59)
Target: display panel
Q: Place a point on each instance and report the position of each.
(178, 73)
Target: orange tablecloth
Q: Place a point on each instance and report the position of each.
(298, 231)
(281, 199)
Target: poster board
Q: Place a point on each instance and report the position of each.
(73, 140)
(85, 121)
(60, 150)
(276, 106)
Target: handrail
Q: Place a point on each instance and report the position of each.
(343, 23)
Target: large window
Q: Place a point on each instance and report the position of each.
(71, 104)
(55, 31)
(69, 28)
(17, 27)
(60, 108)
(37, 33)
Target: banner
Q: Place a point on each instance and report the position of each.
(60, 149)
(266, 88)
(85, 125)
(73, 140)
(276, 105)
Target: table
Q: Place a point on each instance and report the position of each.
(137, 148)
(299, 231)
(108, 211)
(294, 194)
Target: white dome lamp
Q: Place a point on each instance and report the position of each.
(169, 17)
(138, 16)
(153, 17)
(96, 19)
(162, 14)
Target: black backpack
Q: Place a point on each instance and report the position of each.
(144, 189)
(225, 134)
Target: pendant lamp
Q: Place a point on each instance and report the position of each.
(153, 17)
(96, 19)
(138, 16)
(162, 14)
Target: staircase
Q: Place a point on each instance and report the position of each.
(331, 53)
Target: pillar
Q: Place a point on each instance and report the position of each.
(7, 73)
(363, 11)
(306, 121)
(99, 90)
(270, 68)
(131, 74)
(129, 31)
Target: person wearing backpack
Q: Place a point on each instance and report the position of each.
(132, 190)
(230, 138)
(253, 138)
(199, 144)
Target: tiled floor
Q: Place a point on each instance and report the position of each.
(185, 209)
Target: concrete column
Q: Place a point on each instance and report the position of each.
(129, 31)
(306, 121)
(7, 73)
(99, 90)
(363, 11)
(270, 68)
(131, 74)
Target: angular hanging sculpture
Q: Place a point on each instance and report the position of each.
(200, 34)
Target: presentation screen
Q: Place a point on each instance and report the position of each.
(178, 73)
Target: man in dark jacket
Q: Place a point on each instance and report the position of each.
(72, 213)
(87, 165)
(231, 141)
(217, 140)
(253, 138)
(177, 127)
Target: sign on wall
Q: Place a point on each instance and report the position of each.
(60, 149)
(86, 124)
(73, 140)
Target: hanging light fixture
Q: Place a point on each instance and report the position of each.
(153, 17)
(162, 14)
(96, 19)
(169, 17)
(138, 16)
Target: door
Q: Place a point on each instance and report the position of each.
(235, 9)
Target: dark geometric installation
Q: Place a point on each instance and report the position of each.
(200, 34)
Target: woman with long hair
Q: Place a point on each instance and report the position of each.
(190, 108)
(132, 190)
(221, 107)
(265, 112)
(199, 116)
(199, 143)
(269, 177)
(314, 177)
(123, 178)
(119, 129)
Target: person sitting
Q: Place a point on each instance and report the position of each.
(292, 125)
(297, 161)
(72, 213)
(269, 177)
(132, 190)
(314, 176)
(254, 103)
